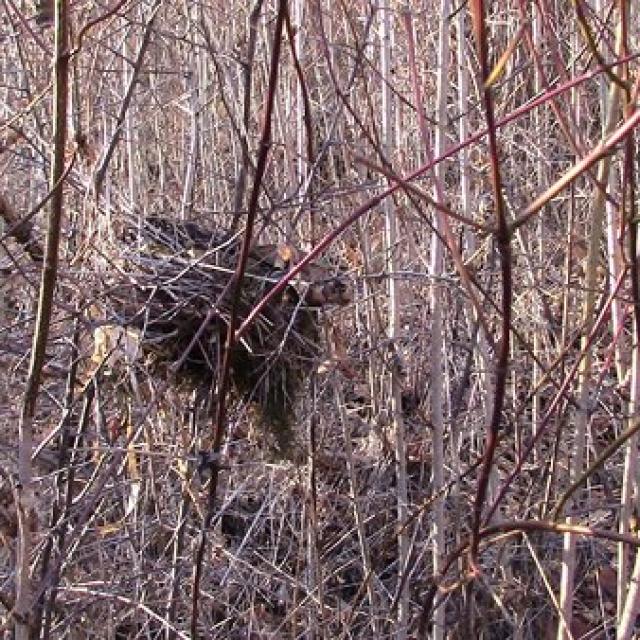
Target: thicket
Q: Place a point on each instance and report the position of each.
(443, 444)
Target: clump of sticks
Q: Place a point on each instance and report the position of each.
(171, 282)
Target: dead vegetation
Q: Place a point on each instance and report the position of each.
(431, 427)
(169, 286)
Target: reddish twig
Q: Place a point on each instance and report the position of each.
(333, 234)
(514, 526)
(503, 241)
(555, 402)
(238, 277)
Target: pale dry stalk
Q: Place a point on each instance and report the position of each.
(388, 140)
(577, 454)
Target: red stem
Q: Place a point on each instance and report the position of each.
(503, 241)
(332, 235)
(236, 289)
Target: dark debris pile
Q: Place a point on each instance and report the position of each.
(171, 282)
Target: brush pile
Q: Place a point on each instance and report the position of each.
(171, 283)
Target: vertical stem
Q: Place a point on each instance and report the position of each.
(236, 289)
(539, 241)
(393, 328)
(129, 127)
(105, 160)
(358, 516)
(503, 242)
(311, 528)
(191, 162)
(26, 506)
(437, 291)
(584, 375)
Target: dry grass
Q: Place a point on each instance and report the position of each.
(303, 538)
